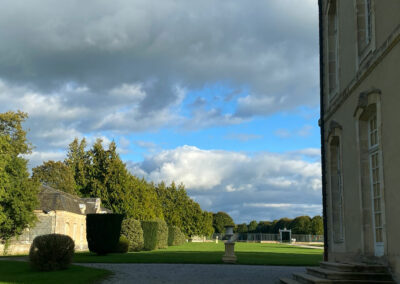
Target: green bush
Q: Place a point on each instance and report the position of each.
(123, 245)
(132, 230)
(51, 252)
(155, 234)
(175, 236)
(103, 232)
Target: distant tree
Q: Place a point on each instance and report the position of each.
(18, 193)
(252, 227)
(317, 225)
(281, 224)
(242, 228)
(264, 227)
(301, 225)
(220, 220)
(57, 175)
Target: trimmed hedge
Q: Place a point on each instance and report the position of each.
(155, 234)
(123, 245)
(132, 230)
(51, 252)
(103, 232)
(175, 236)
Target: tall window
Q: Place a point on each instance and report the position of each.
(336, 183)
(333, 48)
(375, 178)
(364, 25)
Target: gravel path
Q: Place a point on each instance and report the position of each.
(194, 273)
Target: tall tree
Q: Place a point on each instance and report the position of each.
(252, 227)
(57, 175)
(317, 225)
(220, 220)
(18, 193)
(78, 161)
(301, 225)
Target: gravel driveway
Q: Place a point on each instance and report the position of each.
(194, 273)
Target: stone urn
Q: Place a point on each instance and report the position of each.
(229, 256)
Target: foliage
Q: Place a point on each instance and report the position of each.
(301, 225)
(317, 225)
(103, 232)
(155, 234)
(252, 226)
(181, 211)
(281, 224)
(57, 175)
(220, 220)
(101, 173)
(78, 161)
(123, 245)
(18, 193)
(51, 252)
(132, 230)
(175, 236)
(241, 228)
(264, 227)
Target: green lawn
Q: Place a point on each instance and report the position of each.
(21, 272)
(247, 253)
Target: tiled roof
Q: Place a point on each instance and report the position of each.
(52, 199)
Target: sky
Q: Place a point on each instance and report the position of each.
(222, 96)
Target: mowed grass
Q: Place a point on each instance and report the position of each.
(21, 272)
(211, 253)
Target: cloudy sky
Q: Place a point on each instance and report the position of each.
(219, 95)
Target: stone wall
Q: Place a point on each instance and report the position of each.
(59, 222)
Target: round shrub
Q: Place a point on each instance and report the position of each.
(51, 252)
(132, 230)
(123, 245)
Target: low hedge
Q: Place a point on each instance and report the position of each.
(123, 245)
(103, 232)
(132, 230)
(51, 252)
(175, 236)
(155, 234)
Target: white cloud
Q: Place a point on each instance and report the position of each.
(224, 180)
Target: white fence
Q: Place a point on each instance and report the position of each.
(258, 237)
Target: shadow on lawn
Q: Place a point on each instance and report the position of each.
(203, 257)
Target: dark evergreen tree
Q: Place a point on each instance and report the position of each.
(57, 175)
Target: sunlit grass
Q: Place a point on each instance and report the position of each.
(211, 253)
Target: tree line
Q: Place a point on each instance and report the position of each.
(100, 172)
(299, 225)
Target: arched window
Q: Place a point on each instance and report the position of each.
(371, 171)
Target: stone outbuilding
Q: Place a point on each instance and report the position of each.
(60, 213)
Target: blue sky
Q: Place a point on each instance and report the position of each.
(226, 103)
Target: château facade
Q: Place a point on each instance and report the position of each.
(360, 127)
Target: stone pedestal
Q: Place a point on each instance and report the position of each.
(229, 256)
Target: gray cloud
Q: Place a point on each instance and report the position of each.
(270, 46)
